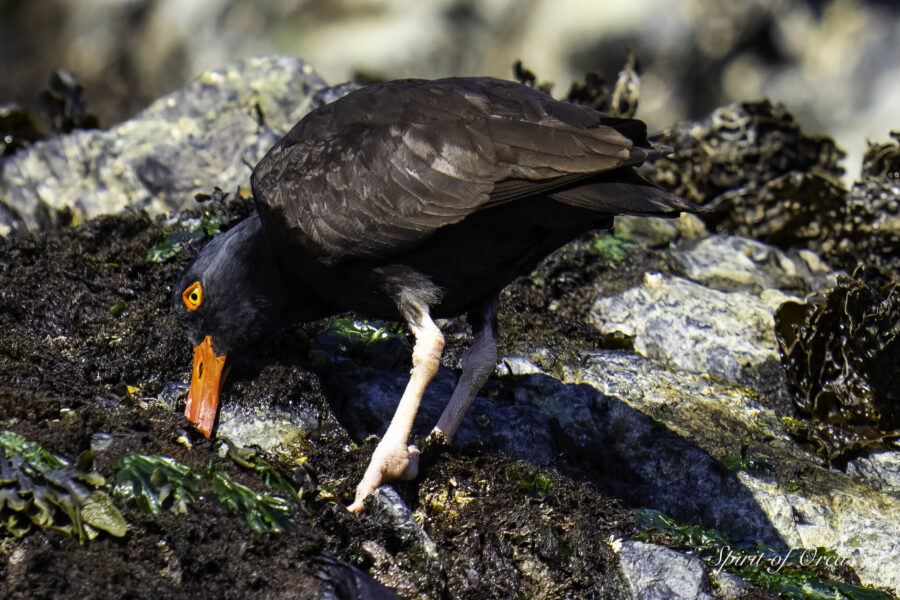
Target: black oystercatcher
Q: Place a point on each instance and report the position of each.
(410, 200)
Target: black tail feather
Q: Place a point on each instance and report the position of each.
(624, 192)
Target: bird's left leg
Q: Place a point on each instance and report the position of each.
(392, 458)
(478, 363)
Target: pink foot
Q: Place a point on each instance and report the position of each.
(387, 464)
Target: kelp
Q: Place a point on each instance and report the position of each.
(43, 490)
(159, 483)
(871, 228)
(757, 172)
(841, 353)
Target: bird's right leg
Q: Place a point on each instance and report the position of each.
(477, 364)
(393, 458)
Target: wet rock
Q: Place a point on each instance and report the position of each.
(389, 509)
(658, 573)
(729, 587)
(209, 133)
(790, 498)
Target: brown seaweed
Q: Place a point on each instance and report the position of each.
(841, 353)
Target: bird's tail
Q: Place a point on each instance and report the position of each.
(624, 192)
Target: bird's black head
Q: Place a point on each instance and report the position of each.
(234, 291)
(232, 295)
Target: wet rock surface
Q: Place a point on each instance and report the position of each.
(638, 372)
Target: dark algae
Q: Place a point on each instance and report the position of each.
(842, 357)
(76, 375)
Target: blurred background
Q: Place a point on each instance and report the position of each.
(835, 63)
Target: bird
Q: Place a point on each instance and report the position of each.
(410, 200)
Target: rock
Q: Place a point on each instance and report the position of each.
(655, 572)
(881, 470)
(652, 231)
(210, 133)
(692, 327)
(389, 510)
(731, 263)
(728, 586)
(690, 423)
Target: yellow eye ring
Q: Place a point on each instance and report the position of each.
(192, 296)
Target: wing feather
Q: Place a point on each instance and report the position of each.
(377, 172)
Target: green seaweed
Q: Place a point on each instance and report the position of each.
(38, 488)
(375, 343)
(610, 248)
(36, 457)
(272, 476)
(750, 463)
(263, 512)
(156, 483)
(210, 224)
(797, 574)
(536, 486)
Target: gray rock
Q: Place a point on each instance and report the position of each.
(692, 327)
(266, 425)
(658, 573)
(207, 134)
(651, 231)
(881, 470)
(389, 509)
(732, 263)
(652, 427)
(831, 509)
(728, 586)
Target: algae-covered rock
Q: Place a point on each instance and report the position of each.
(871, 229)
(693, 327)
(211, 132)
(654, 571)
(741, 144)
(842, 356)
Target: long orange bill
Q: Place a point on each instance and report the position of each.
(206, 382)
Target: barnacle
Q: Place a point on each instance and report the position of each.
(38, 488)
(842, 357)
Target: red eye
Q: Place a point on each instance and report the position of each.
(192, 296)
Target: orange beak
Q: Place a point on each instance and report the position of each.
(206, 382)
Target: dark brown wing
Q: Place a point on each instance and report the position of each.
(375, 173)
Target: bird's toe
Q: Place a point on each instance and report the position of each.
(387, 464)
